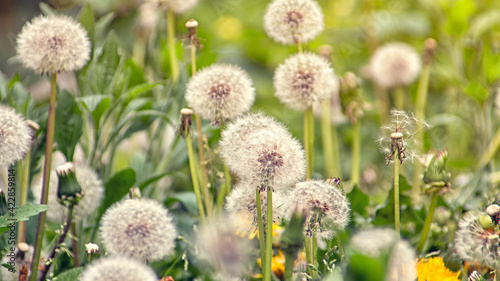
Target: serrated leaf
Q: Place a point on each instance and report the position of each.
(22, 213)
(68, 124)
(117, 187)
(69, 275)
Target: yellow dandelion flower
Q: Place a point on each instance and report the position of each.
(433, 269)
(277, 265)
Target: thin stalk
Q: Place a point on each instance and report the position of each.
(289, 259)
(194, 176)
(262, 239)
(23, 193)
(299, 47)
(309, 140)
(314, 252)
(74, 241)
(46, 176)
(269, 233)
(399, 98)
(356, 153)
(396, 193)
(174, 64)
(428, 221)
(339, 247)
(139, 51)
(67, 225)
(491, 150)
(308, 250)
(329, 140)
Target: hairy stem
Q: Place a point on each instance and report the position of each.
(46, 176)
(309, 141)
(427, 225)
(174, 64)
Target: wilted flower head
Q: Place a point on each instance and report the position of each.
(117, 268)
(478, 243)
(15, 136)
(326, 206)
(304, 79)
(138, 228)
(397, 138)
(178, 6)
(395, 64)
(220, 92)
(266, 156)
(51, 44)
(293, 21)
(91, 185)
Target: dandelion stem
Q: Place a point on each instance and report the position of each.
(299, 47)
(46, 176)
(74, 239)
(314, 252)
(23, 193)
(309, 140)
(174, 64)
(356, 153)
(260, 226)
(194, 175)
(399, 98)
(396, 192)
(289, 259)
(428, 221)
(491, 150)
(339, 247)
(330, 142)
(308, 250)
(269, 233)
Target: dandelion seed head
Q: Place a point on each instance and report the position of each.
(395, 64)
(327, 207)
(373, 242)
(15, 136)
(220, 92)
(138, 228)
(475, 244)
(178, 6)
(291, 21)
(402, 263)
(117, 268)
(52, 44)
(304, 79)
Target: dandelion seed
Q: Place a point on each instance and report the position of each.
(326, 206)
(15, 136)
(117, 268)
(267, 157)
(476, 243)
(304, 79)
(138, 228)
(395, 64)
(220, 92)
(178, 6)
(293, 21)
(52, 44)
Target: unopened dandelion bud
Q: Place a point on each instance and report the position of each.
(429, 47)
(493, 211)
(3, 203)
(134, 193)
(93, 251)
(186, 121)
(69, 191)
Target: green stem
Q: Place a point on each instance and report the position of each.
(289, 259)
(428, 221)
(194, 176)
(339, 247)
(356, 153)
(309, 140)
(139, 51)
(23, 193)
(399, 98)
(174, 64)
(299, 47)
(262, 239)
(329, 140)
(309, 257)
(74, 240)
(491, 150)
(396, 193)
(46, 176)
(314, 252)
(269, 234)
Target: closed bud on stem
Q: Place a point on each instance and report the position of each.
(69, 191)
(93, 251)
(429, 48)
(3, 204)
(436, 176)
(186, 121)
(192, 27)
(493, 211)
(134, 193)
(352, 101)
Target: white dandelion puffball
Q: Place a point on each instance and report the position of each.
(473, 243)
(219, 92)
(394, 65)
(293, 21)
(51, 44)
(15, 136)
(178, 6)
(266, 157)
(304, 79)
(326, 206)
(92, 188)
(138, 228)
(117, 268)
(373, 242)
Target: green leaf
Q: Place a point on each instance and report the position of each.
(86, 18)
(11, 268)
(188, 200)
(22, 213)
(477, 91)
(484, 22)
(491, 64)
(458, 17)
(69, 275)
(136, 74)
(117, 187)
(365, 268)
(102, 24)
(96, 105)
(68, 124)
(359, 201)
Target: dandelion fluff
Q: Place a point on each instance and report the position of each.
(138, 228)
(15, 136)
(51, 44)
(304, 79)
(22, 258)
(220, 92)
(395, 64)
(117, 268)
(293, 21)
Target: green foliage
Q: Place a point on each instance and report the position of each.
(21, 213)
(116, 187)
(68, 124)
(69, 275)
